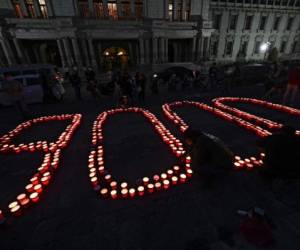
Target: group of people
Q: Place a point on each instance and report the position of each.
(129, 90)
(284, 81)
(213, 158)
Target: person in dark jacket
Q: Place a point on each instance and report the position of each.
(75, 80)
(209, 154)
(281, 151)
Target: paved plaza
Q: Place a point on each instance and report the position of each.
(189, 216)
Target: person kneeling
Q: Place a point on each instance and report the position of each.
(209, 154)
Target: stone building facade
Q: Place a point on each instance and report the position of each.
(108, 33)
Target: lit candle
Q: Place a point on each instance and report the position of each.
(170, 173)
(38, 188)
(174, 180)
(141, 190)
(113, 185)
(237, 165)
(94, 181)
(188, 159)
(156, 178)
(104, 192)
(34, 180)
(124, 185)
(176, 169)
(45, 180)
(124, 192)
(2, 219)
(145, 181)
(182, 178)
(163, 176)
(132, 192)
(21, 197)
(114, 194)
(150, 187)
(166, 184)
(29, 188)
(107, 177)
(16, 210)
(157, 186)
(189, 172)
(13, 204)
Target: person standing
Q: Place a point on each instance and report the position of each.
(75, 80)
(14, 89)
(293, 84)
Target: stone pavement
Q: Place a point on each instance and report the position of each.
(189, 216)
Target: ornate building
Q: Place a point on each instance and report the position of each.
(108, 33)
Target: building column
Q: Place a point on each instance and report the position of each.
(119, 8)
(61, 53)
(132, 8)
(105, 8)
(92, 53)
(19, 51)
(147, 51)
(193, 56)
(7, 51)
(76, 52)
(162, 50)
(99, 47)
(68, 52)
(166, 50)
(142, 51)
(200, 49)
(154, 50)
(49, 8)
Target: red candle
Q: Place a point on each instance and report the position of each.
(141, 190)
(170, 173)
(94, 181)
(145, 181)
(124, 192)
(104, 192)
(101, 169)
(163, 176)
(156, 178)
(114, 194)
(13, 204)
(113, 185)
(29, 188)
(38, 188)
(34, 180)
(188, 159)
(150, 187)
(157, 186)
(124, 185)
(176, 169)
(166, 184)
(174, 180)
(1, 217)
(16, 210)
(107, 177)
(182, 178)
(189, 172)
(132, 192)
(91, 175)
(45, 180)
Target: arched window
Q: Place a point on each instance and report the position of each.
(112, 9)
(99, 9)
(43, 8)
(126, 9)
(83, 7)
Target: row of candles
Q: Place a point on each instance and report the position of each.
(45, 173)
(238, 163)
(104, 183)
(220, 103)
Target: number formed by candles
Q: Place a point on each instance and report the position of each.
(105, 184)
(220, 103)
(45, 173)
(239, 163)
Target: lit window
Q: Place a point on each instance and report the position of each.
(99, 9)
(229, 48)
(17, 8)
(262, 23)
(139, 9)
(30, 8)
(112, 9)
(83, 6)
(248, 22)
(43, 8)
(171, 9)
(126, 9)
(289, 23)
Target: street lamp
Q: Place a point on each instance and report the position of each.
(264, 48)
